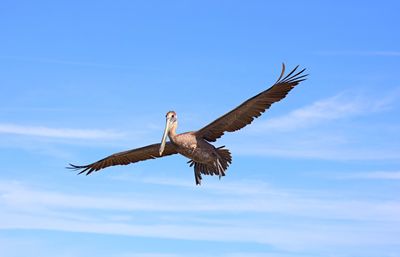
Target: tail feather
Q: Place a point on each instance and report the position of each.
(219, 167)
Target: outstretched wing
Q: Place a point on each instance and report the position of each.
(245, 113)
(127, 157)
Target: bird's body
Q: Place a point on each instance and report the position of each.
(196, 149)
(195, 145)
(203, 155)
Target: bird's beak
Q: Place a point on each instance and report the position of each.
(164, 138)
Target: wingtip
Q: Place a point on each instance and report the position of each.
(293, 76)
(72, 166)
(282, 72)
(77, 168)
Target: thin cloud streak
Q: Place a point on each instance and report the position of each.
(316, 150)
(159, 254)
(66, 133)
(376, 175)
(67, 62)
(282, 236)
(261, 200)
(327, 130)
(278, 235)
(325, 110)
(360, 53)
(22, 207)
(230, 254)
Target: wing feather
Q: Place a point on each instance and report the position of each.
(245, 113)
(126, 157)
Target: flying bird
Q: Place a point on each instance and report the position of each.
(195, 145)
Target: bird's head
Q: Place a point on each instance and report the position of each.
(171, 115)
(171, 122)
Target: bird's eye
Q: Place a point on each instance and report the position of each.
(173, 116)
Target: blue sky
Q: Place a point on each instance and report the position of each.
(317, 175)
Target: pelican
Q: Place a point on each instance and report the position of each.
(195, 145)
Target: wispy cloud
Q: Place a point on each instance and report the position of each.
(360, 53)
(341, 127)
(376, 175)
(337, 107)
(154, 254)
(23, 207)
(42, 131)
(260, 198)
(319, 147)
(67, 62)
(231, 254)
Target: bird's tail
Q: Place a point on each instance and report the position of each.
(219, 166)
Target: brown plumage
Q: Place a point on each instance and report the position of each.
(205, 158)
(127, 157)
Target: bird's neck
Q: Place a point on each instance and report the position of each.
(172, 132)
